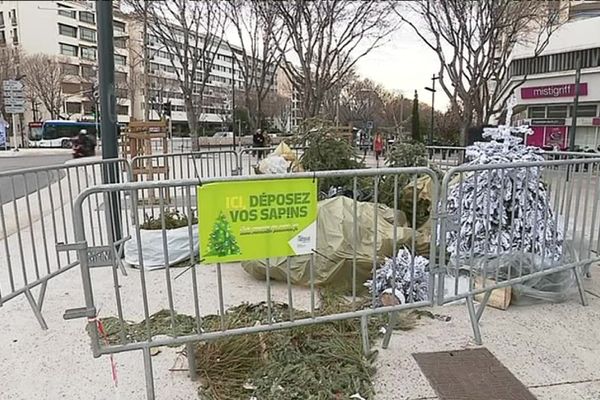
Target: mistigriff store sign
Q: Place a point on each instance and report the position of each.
(248, 220)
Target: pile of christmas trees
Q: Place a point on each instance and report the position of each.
(395, 276)
(499, 211)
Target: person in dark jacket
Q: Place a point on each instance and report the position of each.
(258, 140)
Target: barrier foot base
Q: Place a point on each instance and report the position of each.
(389, 330)
(191, 357)
(364, 335)
(579, 280)
(149, 374)
(474, 321)
(36, 308)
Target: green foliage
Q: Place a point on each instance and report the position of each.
(326, 151)
(173, 219)
(221, 241)
(403, 155)
(407, 154)
(416, 128)
(319, 362)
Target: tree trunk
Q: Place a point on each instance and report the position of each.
(192, 120)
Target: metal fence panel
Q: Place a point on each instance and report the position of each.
(536, 219)
(180, 293)
(35, 215)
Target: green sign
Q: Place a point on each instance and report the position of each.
(248, 220)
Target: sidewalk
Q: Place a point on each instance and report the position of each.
(553, 349)
(33, 152)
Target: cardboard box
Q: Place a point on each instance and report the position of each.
(500, 298)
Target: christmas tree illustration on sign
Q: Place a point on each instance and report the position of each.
(221, 241)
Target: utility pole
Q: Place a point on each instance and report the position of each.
(575, 105)
(108, 122)
(401, 114)
(432, 90)
(145, 62)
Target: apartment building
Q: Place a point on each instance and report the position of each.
(67, 30)
(225, 80)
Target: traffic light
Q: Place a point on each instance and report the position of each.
(166, 107)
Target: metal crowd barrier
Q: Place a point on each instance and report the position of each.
(193, 288)
(250, 157)
(558, 234)
(445, 157)
(35, 214)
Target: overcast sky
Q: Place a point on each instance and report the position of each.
(404, 63)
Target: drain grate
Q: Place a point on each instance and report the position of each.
(473, 374)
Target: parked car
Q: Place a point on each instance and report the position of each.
(222, 135)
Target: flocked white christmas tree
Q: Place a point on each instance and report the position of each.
(499, 211)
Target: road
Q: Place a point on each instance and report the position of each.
(28, 160)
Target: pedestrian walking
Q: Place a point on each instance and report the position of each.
(378, 147)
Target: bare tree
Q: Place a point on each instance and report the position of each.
(191, 33)
(256, 28)
(473, 41)
(360, 101)
(326, 39)
(44, 77)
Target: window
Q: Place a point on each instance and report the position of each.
(584, 110)
(65, 13)
(13, 17)
(557, 111)
(15, 36)
(537, 112)
(70, 69)
(88, 53)
(85, 16)
(71, 88)
(88, 71)
(120, 77)
(589, 58)
(68, 50)
(2, 38)
(120, 60)
(88, 107)
(122, 110)
(119, 26)
(73, 108)
(1, 19)
(120, 43)
(121, 93)
(87, 34)
(67, 30)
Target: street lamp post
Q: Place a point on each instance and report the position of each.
(432, 90)
(108, 122)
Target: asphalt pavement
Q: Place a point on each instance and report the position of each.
(29, 159)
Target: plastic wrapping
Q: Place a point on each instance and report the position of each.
(178, 245)
(397, 273)
(556, 287)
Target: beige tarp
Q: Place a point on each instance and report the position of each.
(335, 245)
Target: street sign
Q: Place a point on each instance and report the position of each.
(14, 99)
(14, 109)
(369, 124)
(12, 84)
(13, 93)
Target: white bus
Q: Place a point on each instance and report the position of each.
(59, 133)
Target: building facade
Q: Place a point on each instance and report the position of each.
(66, 31)
(544, 85)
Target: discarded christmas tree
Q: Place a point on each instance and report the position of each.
(221, 241)
(501, 210)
